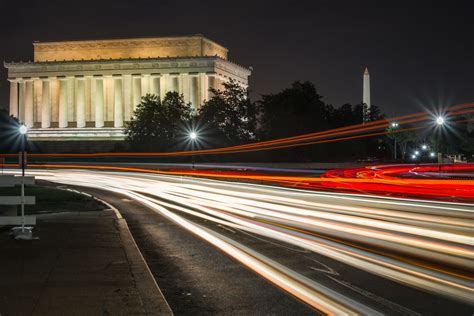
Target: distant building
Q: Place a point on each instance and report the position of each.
(87, 90)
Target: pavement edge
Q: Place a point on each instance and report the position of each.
(154, 301)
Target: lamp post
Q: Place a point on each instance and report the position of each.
(23, 130)
(394, 125)
(440, 121)
(192, 136)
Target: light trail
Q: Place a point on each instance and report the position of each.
(368, 129)
(422, 244)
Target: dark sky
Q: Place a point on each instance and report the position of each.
(419, 53)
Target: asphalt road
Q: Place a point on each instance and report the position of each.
(212, 244)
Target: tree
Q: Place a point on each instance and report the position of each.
(9, 135)
(294, 111)
(158, 123)
(465, 131)
(230, 113)
(403, 138)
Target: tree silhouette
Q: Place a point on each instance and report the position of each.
(156, 123)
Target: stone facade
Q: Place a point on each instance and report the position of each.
(88, 90)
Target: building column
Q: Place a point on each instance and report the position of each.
(70, 99)
(136, 91)
(155, 85)
(29, 118)
(54, 96)
(21, 101)
(145, 84)
(185, 87)
(46, 104)
(194, 93)
(63, 104)
(37, 96)
(174, 86)
(164, 85)
(118, 104)
(109, 98)
(80, 103)
(127, 97)
(211, 84)
(88, 101)
(203, 88)
(97, 95)
(14, 97)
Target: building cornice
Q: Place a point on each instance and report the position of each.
(91, 67)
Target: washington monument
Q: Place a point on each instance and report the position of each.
(366, 94)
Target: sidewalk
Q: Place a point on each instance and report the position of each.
(85, 263)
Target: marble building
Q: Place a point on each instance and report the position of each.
(88, 90)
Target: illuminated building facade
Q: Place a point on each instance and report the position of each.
(88, 90)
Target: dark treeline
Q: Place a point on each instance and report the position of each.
(230, 117)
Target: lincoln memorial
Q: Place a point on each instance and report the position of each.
(88, 90)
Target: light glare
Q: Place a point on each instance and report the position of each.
(23, 129)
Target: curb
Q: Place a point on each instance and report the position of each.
(153, 299)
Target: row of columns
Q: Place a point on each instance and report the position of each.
(81, 99)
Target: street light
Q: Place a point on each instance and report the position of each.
(432, 154)
(394, 125)
(417, 152)
(424, 147)
(23, 130)
(440, 120)
(193, 136)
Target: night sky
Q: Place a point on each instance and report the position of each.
(419, 53)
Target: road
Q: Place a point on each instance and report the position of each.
(337, 253)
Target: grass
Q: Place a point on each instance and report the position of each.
(54, 200)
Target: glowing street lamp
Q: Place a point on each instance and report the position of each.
(432, 154)
(394, 125)
(440, 120)
(413, 156)
(417, 152)
(424, 147)
(193, 137)
(23, 130)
